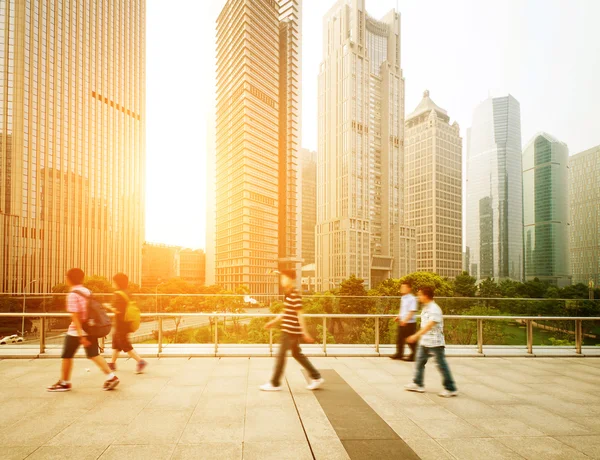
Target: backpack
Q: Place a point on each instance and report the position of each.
(132, 317)
(98, 324)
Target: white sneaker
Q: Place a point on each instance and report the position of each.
(414, 387)
(448, 394)
(315, 383)
(270, 387)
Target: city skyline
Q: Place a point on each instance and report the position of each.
(545, 48)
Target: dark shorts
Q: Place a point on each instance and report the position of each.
(72, 344)
(120, 341)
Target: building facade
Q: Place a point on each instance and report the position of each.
(72, 140)
(308, 199)
(546, 210)
(161, 263)
(494, 195)
(360, 219)
(433, 188)
(584, 204)
(257, 226)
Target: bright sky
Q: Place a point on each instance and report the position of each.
(546, 53)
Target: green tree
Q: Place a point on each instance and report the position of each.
(465, 285)
(98, 284)
(489, 288)
(443, 288)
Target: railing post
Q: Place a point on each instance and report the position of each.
(377, 334)
(325, 335)
(42, 334)
(529, 324)
(271, 341)
(216, 335)
(160, 334)
(578, 336)
(480, 336)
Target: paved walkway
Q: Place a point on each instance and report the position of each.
(534, 408)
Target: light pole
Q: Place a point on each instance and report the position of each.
(24, 301)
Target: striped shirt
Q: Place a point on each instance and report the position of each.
(291, 305)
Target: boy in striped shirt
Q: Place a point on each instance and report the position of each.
(293, 330)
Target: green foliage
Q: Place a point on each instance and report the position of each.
(465, 285)
(443, 288)
(488, 288)
(98, 284)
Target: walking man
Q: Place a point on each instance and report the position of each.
(407, 323)
(77, 300)
(120, 341)
(293, 330)
(432, 344)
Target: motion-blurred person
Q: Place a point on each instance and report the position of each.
(407, 322)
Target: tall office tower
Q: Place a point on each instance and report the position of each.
(257, 142)
(494, 202)
(360, 221)
(546, 210)
(584, 204)
(308, 160)
(72, 140)
(433, 187)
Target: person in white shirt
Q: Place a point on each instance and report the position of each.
(432, 344)
(407, 322)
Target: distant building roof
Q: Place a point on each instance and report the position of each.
(547, 136)
(427, 105)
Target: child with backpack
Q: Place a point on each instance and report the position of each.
(127, 319)
(81, 332)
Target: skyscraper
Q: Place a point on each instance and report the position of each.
(308, 161)
(360, 221)
(584, 204)
(433, 187)
(546, 210)
(72, 140)
(494, 201)
(257, 141)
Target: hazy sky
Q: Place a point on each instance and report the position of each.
(546, 53)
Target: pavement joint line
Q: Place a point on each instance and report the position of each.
(300, 418)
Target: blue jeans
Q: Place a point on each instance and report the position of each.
(423, 355)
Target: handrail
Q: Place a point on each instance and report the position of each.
(308, 315)
(528, 320)
(306, 296)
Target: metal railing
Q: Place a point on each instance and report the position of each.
(528, 320)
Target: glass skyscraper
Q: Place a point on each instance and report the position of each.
(546, 210)
(494, 195)
(72, 148)
(257, 218)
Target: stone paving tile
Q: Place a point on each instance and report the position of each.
(543, 420)
(176, 398)
(427, 413)
(209, 451)
(272, 424)
(276, 450)
(83, 434)
(38, 430)
(591, 423)
(138, 452)
(226, 430)
(406, 428)
(428, 449)
(497, 427)
(491, 396)
(455, 428)
(589, 445)
(478, 448)
(17, 453)
(466, 408)
(328, 449)
(62, 453)
(544, 448)
(155, 427)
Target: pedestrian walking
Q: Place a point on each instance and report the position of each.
(407, 322)
(432, 343)
(120, 339)
(293, 330)
(77, 306)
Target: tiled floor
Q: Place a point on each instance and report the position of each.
(534, 408)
